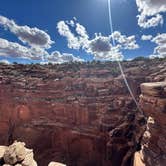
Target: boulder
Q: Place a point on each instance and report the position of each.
(55, 164)
(15, 153)
(138, 159)
(29, 160)
(2, 151)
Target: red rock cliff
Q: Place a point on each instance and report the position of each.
(153, 103)
(78, 114)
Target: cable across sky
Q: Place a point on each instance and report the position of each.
(119, 64)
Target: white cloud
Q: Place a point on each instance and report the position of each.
(64, 30)
(129, 59)
(71, 58)
(150, 12)
(153, 56)
(4, 61)
(57, 57)
(100, 46)
(127, 43)
(83, 37)
(146, 37)
(12, 49)
(38, 42)
(32, 36)
(71, 23)
(160, 39)
(74, 42)
(154, 21)
(160, 49)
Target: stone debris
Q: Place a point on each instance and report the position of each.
(16, 155)
(56, 164)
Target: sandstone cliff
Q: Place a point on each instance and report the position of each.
(153, 103)
(78, 114)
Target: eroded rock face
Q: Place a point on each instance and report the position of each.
(153, 103)
(67, 112)
(125, 139)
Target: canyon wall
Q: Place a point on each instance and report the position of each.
(153, 103)
(79, 115)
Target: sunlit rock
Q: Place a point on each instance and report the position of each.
(29, 159)
(15, 153)
(2, 151)
(56, 164)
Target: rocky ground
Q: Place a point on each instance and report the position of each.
(18, 155)
(79, 114)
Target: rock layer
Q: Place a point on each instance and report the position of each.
(73, 113)
(153, 103)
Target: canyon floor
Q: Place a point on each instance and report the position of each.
(81, 114)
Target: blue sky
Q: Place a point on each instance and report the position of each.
(92, 14)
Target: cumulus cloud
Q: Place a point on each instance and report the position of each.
(83, 37)
(150, 12)
(153, 56)
(127, 43)
(38, 41)
(160, 39)
(146, 37)
(13, 49)
(31, 36)
(100, 46)
(57, 57)
(65, 31)
(154, 21)
(160, 49)
(4, 61)
(74, 42)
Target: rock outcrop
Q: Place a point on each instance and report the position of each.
(55, 164)
(125, 139)
(153, 103)
(16, 155)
